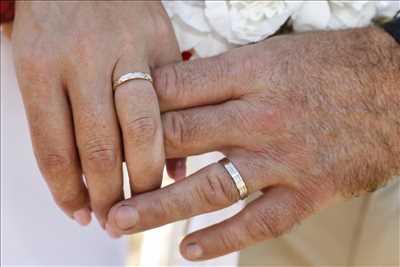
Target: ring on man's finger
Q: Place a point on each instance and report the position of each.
(236, 177)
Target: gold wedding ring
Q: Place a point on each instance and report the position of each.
(236, 177)
(132, 76)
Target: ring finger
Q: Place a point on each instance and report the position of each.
(139, 117)
(210, 189)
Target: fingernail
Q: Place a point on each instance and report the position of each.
(82, 216)
(126, 217)
(111, 233)
(180, 171)
(193, 251)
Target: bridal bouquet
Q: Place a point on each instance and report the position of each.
(211, 27)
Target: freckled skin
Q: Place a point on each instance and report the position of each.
(307, 119)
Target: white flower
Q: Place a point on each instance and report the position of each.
(243, 22)
(339, 14)
(210, 27)
(351, 14)
(205, 44)
(313, 15)
(192, 29)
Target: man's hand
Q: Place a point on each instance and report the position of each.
(66, 55)
(307, 119)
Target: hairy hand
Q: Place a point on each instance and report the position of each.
(66, 55)
(307, 119)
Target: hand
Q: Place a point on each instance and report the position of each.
(66, 55)
(307, 119)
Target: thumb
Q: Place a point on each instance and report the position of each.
(198, 82)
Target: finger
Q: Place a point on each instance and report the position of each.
(204, 129)
(176, 168)
(98, 138)
(139, 116)
(267, 217)
(53, 139)
(209, 189)
(199, 82)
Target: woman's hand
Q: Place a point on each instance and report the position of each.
(306, 119)
(67, 54)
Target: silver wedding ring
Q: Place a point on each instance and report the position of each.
(132, 76)
(236, 177)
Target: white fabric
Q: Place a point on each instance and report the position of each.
(33, 230)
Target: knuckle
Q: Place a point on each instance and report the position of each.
(263, 225)
(54, 163)
(250, 68)
(69, 200)
(100, 154)
(141, 131)
(82, 47)
(221, 68)
(168, 84)
(163, 209)
(180, 130)
(168, 209)
(230, 240)
(173, 130)
(33, 68)
(216, 190)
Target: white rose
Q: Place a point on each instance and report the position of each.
(351, 14)
(243, 22)
(313, 15)
(339, 14)
(192, 29)
(211, 27)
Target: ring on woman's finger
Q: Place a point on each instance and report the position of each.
(236, 177)
(137, 75)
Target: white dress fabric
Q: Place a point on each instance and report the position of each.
(33, 230)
